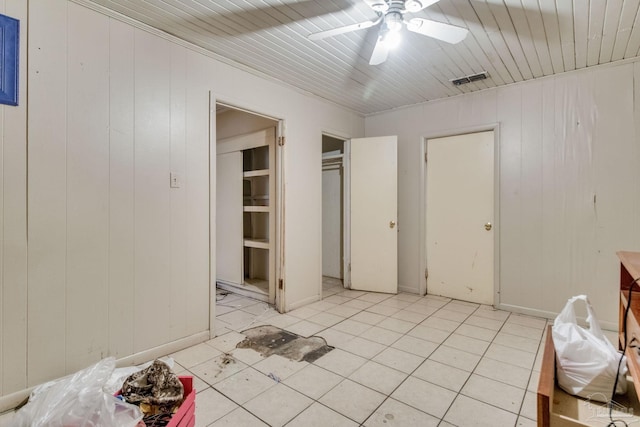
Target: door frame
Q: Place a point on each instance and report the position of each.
(346, 207)
(280, 295)
(495, 127)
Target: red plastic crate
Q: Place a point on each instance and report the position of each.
(186, 415)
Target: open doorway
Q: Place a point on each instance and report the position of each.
(333, 215)
(246, 192)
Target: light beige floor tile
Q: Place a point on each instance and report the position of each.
(462, 306)
(494, 393)
(351, 327)
(353, 400)
(326, 293)
(6, 419)
(340, 362)
(522, 331)
(224, 309)
(238, 320)
(514, 341)
(393, 302)
(189, 357)
(533, 381)
(335, 338)
(400, 360)
(374, 297)
(456, 358)
(226, 342)
(468, 344)
(476, 332)
(363, 347)
(491, 313)
(313, 381)
(425, 396)
(381, 336)
(279, 366)
(237, 418)
(445, 424)
(278, 405)
(393, 413)
(360, 305)
(335, 299)
(305, 328)
(322, 305)
(443, 375)
(467, 412)
(437, 298)
(442, 324)
(245, 385)
(343, 311)
(303, 312)
(283, 320)
(351, 293)
(524, 359)
(525, 422)
(211, 405)
(410, 316)
(368, 317)
(428, 333)
(416, 346)
(529, 321)
(198, 384)
(483, 322)
(318, 415)
(247, 356)
(396, 325)
(384, 310)
(218, 368)
(404, 296)
(421, 308)
(452, 315)
(326, 319)
(503, 372)
(378, 377)
(262, 311)
(529, 406)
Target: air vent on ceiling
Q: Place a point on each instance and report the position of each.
(468, 79)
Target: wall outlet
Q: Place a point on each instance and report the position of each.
(175, 180)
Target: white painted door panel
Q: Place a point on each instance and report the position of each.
(374, 201)
(459, 206)
(332, 223)
(229, 241)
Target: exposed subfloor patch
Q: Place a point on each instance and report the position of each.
(269, 340)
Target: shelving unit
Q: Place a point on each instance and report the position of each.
(256, 257)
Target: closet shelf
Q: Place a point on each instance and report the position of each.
(256, 243)
(256, 208)
(254, 173)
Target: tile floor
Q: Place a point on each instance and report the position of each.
(399, 360)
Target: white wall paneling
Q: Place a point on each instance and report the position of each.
(569, 182)
(118, 262)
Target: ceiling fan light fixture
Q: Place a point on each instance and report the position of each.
(391, 39)
(413, 6)
(393, 21)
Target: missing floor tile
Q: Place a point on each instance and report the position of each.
(268, 340)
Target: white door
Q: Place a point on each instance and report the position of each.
(374, 201)
(460, 217)
(229, 239)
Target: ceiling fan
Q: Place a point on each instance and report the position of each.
(391, 16)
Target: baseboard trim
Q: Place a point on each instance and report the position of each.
(408, 290)
(10, 401)
(604, 324)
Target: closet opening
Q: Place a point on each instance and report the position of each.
(334, 171)
(246, 195)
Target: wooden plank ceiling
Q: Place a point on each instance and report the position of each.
(513, 40)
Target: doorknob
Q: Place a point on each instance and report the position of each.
(392, 224)
(488, 226)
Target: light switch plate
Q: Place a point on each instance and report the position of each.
(175, 180)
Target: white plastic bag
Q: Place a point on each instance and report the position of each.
(78, 400)
(587, 363)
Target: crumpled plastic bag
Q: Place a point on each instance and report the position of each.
(78, 400)
(587, 363)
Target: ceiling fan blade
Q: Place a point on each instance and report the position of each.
(380, 52)
(341, 30)
(438, 30)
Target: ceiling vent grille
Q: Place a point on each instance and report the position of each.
(468, 79)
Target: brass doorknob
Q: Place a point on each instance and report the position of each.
(488, 226)
(392, 224)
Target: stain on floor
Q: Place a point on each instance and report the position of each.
(268, 340)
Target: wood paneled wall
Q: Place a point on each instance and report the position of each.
(569, 183)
